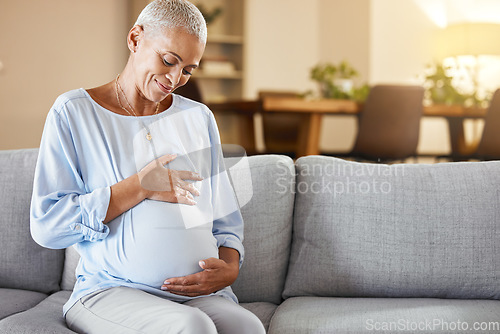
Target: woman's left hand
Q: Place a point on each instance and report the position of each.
(216, 275)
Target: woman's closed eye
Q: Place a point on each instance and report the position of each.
(169, 64)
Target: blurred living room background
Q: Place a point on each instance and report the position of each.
(52, 46)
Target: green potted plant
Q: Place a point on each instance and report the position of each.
(336, 81)
(440, 89)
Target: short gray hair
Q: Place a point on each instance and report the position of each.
(164, 14)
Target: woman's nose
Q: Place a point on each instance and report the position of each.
(174, 76)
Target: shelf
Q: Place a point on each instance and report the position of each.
(237, 75)
(225, 39)
(221, 74)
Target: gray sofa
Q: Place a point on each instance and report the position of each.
(331, 247)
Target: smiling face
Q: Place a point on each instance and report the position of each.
(163, 61)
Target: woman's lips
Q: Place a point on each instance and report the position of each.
(164, 88)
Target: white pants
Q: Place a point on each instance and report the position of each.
(125, 310)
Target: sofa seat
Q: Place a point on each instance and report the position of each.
(44, 318)
(384, 315)
(263, 310)
(19, 300)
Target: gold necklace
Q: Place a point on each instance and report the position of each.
(118, 86)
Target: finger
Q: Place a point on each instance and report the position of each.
(179, 191)
(189, 187)
(193, 288)
(165, 159)
(185, 290)
(188, 175)
(211, 263)
(186, 294)
(184, 280)
(186, 200)
(189, 294)
(159, 162)
(183, 196)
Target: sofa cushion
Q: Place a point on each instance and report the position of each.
(263, 310)
(268, 227)
(23, 263)
(15, 300)
(44, 318)
(303, 315)
(374, 230)
(71, 259)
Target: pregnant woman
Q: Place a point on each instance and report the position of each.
(132, 175)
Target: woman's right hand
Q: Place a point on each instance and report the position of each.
(168, 185)
(153, 182)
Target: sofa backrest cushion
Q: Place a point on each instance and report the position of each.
(264, 187)
(71, 259)
(374, 230)
(23, 263)
(268, 227)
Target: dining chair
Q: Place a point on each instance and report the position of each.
(389, 124)
(489, 144)
(281, 130)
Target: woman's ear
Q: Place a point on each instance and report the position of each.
(134, 37)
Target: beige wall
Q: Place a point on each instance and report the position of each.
(49, 47)
(401, 41)
(281, 45)
(344, 35)
(402, 44)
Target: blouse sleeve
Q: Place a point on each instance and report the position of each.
(62, 211)
(228, 222)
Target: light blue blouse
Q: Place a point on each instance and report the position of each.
(85, 149)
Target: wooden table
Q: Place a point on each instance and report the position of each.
(455, 116)
(309, 133)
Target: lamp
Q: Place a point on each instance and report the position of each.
(472, 39)
(472, 50)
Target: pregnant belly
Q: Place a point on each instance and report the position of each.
(153, 244)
